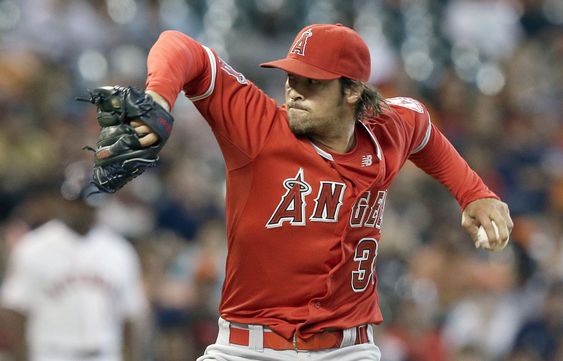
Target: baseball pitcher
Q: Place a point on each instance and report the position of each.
(307, 184)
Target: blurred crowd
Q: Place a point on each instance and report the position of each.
(490, 72)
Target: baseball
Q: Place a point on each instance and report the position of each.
(482, 239)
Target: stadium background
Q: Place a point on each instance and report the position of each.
(489, 71)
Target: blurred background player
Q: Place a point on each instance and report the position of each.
(72, 290)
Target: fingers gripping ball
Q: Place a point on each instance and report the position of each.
(119, 155)
(483, 240)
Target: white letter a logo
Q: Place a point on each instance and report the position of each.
(299, 46)
(292, 204)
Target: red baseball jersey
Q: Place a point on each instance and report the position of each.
(303, 223)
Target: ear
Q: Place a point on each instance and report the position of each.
(353, 93)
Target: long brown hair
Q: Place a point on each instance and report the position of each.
(371, 101)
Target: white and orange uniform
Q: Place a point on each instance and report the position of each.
(76, 291)
(303, 223)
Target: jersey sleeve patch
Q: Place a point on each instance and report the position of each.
(408, 103)
(232, 72)
(213, 65)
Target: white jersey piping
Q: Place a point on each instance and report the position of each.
(213, 64)
(426, 138)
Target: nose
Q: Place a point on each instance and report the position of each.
(292, 93)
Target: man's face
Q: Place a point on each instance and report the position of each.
(314, 107)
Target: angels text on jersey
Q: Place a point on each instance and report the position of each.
(366, 212)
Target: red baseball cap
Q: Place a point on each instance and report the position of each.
(325, 52)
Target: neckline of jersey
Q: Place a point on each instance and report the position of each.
(360, 138)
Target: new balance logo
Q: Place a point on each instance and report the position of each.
(367, 160)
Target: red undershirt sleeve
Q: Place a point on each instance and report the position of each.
(440, 160)
(175, 60)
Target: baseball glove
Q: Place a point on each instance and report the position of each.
(119, 155)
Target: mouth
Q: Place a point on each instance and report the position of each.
(293, 107)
